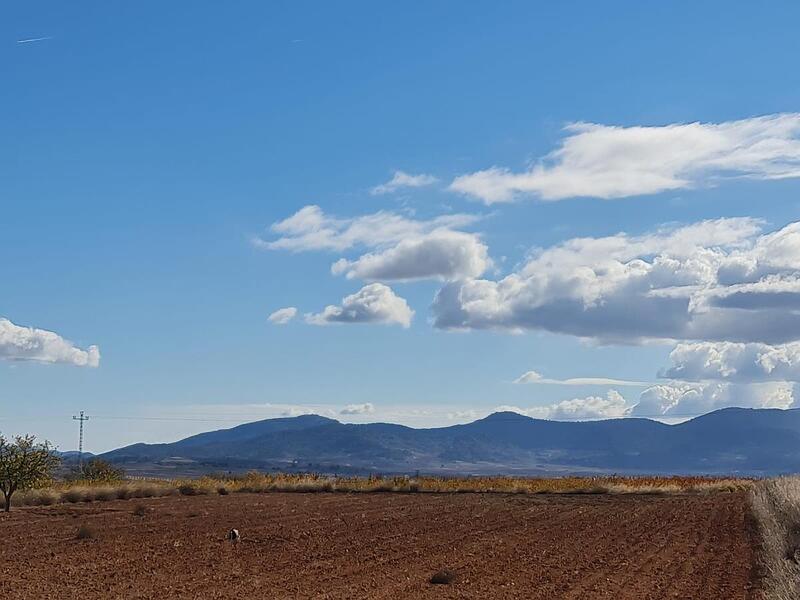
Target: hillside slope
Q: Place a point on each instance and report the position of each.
(734, 440)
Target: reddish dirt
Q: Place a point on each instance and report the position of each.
(383, 546)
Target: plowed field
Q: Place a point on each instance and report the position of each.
(383, 545)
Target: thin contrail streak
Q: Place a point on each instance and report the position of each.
(39, 39)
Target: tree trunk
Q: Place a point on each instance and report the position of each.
(8, 501)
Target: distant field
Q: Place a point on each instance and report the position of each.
(383, 545)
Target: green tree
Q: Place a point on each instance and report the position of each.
(24, 463)
(99, 470)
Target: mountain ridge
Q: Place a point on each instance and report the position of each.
(731, 440)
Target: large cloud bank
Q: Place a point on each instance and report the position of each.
(718, 280)
(672, 400)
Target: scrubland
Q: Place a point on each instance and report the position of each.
(86, 491)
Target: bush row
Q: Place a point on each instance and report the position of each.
(262, 483)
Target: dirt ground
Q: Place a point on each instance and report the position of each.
(383, 545)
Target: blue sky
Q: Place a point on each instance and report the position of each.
(149, 147)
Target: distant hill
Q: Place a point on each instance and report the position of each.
(732, 440)
(74, 455)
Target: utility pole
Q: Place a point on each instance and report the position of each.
(81, 418)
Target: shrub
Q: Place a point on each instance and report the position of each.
(47, 497)
(105, 494)
(36, 498)
(149, 490)
(74, 495)
(97, 470)
(222, 490)
(139, 510)
(443, 577)
(187, 490)
(85, 532)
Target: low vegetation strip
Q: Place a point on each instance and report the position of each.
(776, 507)
(89, 491)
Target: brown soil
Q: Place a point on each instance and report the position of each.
(383, 546)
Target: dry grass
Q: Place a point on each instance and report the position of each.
(776, 507)
(308, 483)
(61, 493)
(680, 485)
(256, 482)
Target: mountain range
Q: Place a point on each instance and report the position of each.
(733, 440)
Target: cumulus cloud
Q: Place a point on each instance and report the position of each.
(374, 303)
(283, 315)
(673, 400)
(678, 399)
(729, 361)
(534, 377)
(403, 180)
(610, 406)
(441, 254)
(603, 161)
(358, 409)
(403, 249)
(30, 344)
(673, 284)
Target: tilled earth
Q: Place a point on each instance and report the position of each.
(381, 545)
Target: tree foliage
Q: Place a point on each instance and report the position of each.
(24, 464)
(98, 470)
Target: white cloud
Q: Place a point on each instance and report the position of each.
(403, 249)
(441, 254)
(678, 399)
(463, 415)
(710, 281)
(311, 229)
(403, 180)
(530, 377)
(612, 406)
(604, 161)
(728, 361)
(534, 377)
(358, 409)
(297, 411)
(283, 315)
(374, 303)
(674, 400)
(40, 345)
